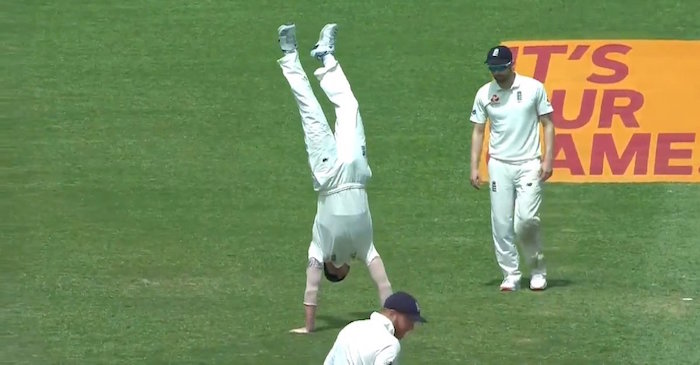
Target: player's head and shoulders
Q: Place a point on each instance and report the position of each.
(397, 317)
(373, 338)
(335, 269)
(376, 339)
(336, 266)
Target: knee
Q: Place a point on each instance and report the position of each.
(351, 104)
(527, 224)
(503, 224)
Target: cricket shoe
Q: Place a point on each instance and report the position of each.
(326, 41)
(510, 283)
(538, 282)
(287, 37)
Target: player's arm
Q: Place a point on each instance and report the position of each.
(478, 119)
(377, 272)
(548, 161)
(314, 270)
(477, 144)
(544, 111)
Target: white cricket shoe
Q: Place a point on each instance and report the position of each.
(510, 283)
(326, 41)
(538, 282)
(287, 37)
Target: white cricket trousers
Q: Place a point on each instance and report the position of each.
(323, 147)
(516, 195)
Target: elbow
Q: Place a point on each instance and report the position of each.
(550, 128)
(547, 123)
(311, 297)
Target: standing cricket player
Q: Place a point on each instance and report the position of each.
(515, 105)
(375, 341)
(342, 228)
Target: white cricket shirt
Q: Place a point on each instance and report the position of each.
(514, 116)
(365, 342)
(342, 228)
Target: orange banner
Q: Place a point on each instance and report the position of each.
(624, 110)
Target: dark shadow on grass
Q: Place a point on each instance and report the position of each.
(525, 282)
(326, 322)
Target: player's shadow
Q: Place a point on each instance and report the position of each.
(525, 282)
(328, 322)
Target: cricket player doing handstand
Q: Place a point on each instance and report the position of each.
(342, 229)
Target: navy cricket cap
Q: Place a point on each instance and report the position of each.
(499, 55)
(406, 304)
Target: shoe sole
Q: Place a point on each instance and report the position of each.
(283, 31)
(508, 289)
(285, 27)
(331, 29)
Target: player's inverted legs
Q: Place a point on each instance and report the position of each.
(319, 139)
(349, 130)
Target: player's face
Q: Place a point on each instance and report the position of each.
(501, 73)
(341, 272)
(402, 325)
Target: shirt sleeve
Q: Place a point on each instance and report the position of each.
(387, 355)
(543, 104)
(478, 114)
(370, 254)
(315, 252)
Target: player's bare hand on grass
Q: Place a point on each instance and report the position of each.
(475, 179)
(301, 330)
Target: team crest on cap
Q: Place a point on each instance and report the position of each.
(495, 52)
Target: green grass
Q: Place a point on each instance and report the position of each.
(156, 203)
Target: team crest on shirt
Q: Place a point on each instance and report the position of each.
(495, 99)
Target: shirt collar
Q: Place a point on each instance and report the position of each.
(516, 83)
(386, 322)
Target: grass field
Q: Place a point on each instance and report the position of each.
(156, 201)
